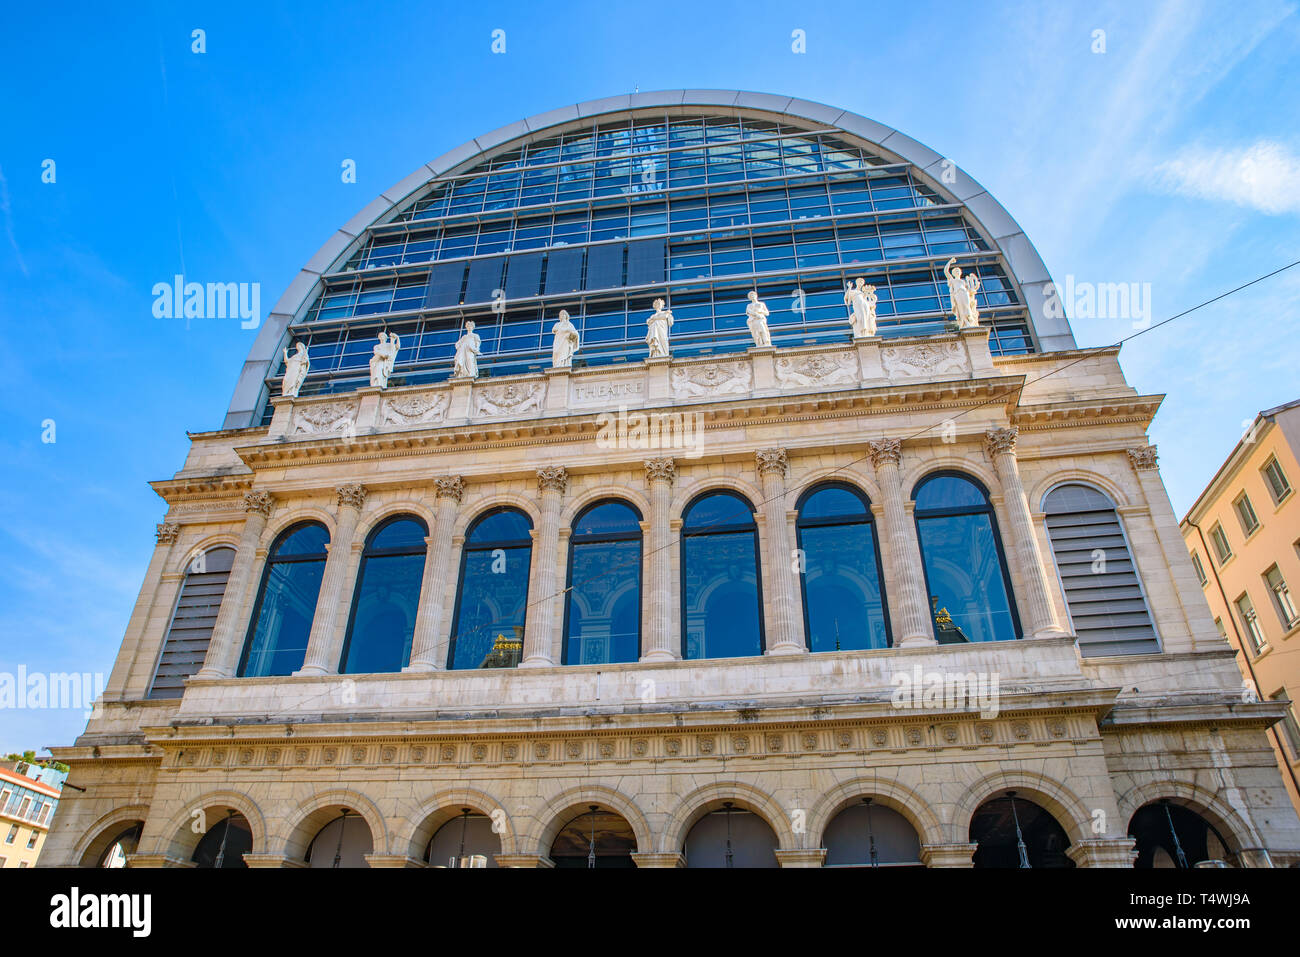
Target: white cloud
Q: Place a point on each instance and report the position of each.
(1264, 176)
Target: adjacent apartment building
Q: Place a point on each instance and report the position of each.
(1243, 533)
(794, 562)
(28, 798)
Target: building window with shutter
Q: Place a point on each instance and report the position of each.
(1276, 480)
(186, 643)
(1200, 570)
(1282, 601)
(1246, 514)
(1246, 609)
(1222, 550)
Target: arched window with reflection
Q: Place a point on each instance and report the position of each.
(603, 614)
(382, 622)
(286, 603)
(965, 570)
(843, 598)
(722, 606)
(487, 630)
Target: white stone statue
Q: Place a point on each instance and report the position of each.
(381, 363)
(961, 295)
(656, 336)
(468, 348)
(296, 367)
(861, 300)
(757, 313)
(565, 343)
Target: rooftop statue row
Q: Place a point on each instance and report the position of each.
(859, 297)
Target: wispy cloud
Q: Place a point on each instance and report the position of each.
(9, 222)
(1263, 176)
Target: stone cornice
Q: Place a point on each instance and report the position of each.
(202, 488)
(1037, 417)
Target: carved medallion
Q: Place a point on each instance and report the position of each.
(513, 398)
(712, 378)
(421, 409)
(923, 359)
(836, 368)
(326, 418)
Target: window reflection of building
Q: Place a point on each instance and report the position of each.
(964, 568)
(844, 605)
(492, 600)
(721, 602)
(604, 608)
(286, 603)
(382, 623)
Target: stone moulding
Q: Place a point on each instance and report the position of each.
(712, 378)
(818, 369)
(924, 359)
(326, 418)
(424, 408)
(509, 398)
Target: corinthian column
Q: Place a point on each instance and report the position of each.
(322, 652)
(909, 609)
(223, 648)
(659, 475)
(1001, 445)
(545, 596)
(428, 646)
(786, 633)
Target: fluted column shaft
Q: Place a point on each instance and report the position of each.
(223, 647)
(322, 651)
(785, 636)
(909, 607)
(658, 642)
(1001, 444)
(428, 645)
(545, 597)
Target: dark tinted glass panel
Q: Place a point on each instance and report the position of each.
(718, 511)
(507, 525)
(605, 266)
(645, 262)
(307, 540)
(842, 595)
(405, 534)
(564, 270)
(383, 619)
(964, 571)
(445, 283)
(608, 518)
(832, 503)
(720, 596)
(524, 277)
(484, 278)
(949, 491)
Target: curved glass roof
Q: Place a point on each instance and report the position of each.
(599, 216)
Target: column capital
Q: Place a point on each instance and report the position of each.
(772, 461)
(352, 495)
(660, 470)
(998, 441)
(1105, 852)
(1143, 459)
(259, 501)
(650, 859)
(523, 860)
(449, 486)
(167, 533)
(885, 451)
(948, 855)
(554, 478)
(802, 857)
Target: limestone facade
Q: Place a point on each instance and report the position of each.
(792, 736)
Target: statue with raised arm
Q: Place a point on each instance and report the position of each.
(861, 300)
(757, 313)
(381, 363)
(657, 327)
(468, 347)
(296, 367)
(565, 343)
(961, 295)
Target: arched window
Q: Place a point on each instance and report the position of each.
(965, 571)
(843, 598)
(721, 599)
(603, 615)
(286, 603)
(1103, 595)
(382, 622)
(191, 626)
(492, 601)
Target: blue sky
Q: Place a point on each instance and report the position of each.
(1173, 158)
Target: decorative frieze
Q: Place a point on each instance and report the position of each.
(818, 369)
(424, 408)
(712, 378)
(512, 398)
(325, 418)
(923, 359)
